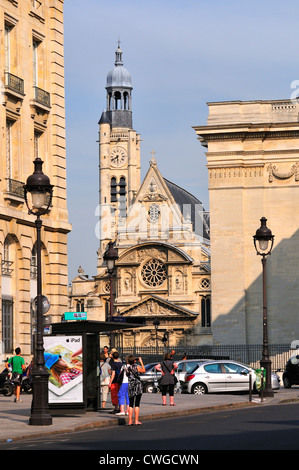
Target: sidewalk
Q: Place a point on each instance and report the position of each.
(14, 417)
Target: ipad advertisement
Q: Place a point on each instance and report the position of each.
(64, 362)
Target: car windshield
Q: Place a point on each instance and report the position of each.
(149, 366)
(233, 368)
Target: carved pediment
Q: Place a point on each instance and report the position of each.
(153, 307)
(153, 193)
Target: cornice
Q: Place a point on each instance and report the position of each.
(243, 153)
(247, 135)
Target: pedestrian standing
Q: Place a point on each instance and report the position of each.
(104, 378)
(123, 392)
(168, 380)
(135, 387)
(106, 351)
(116, 365)
(18, 366)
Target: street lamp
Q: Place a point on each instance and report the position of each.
(111, 256)
(39, 188)
(156, 324)
(263, 243)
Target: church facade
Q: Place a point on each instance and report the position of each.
(161, 233)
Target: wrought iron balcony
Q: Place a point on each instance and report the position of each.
(15, 188)
(6, 269)
(42, 97)
(14, 83)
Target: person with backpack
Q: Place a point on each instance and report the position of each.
(116, 366)
(123, 392)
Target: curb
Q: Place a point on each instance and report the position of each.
(110, 422)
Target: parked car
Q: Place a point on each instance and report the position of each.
(150, 378)
(186, 366)
(290, 375)
(222, 376)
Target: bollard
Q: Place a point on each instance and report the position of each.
(262, 385)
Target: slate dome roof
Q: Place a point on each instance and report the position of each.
(119, 75)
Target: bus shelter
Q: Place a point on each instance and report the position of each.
(72, 357)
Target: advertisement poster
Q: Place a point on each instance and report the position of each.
(64, 362)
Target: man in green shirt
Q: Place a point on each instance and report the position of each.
(18, 366)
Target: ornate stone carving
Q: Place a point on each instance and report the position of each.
(273, 172)
(145, 253)
(152, 193)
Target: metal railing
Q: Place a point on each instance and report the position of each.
(42, 97)
(15, 188)
(14, 83)
(6, 269)
(250, 355)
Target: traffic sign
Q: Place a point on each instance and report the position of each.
(71, 316)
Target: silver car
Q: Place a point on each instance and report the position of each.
(222, 376)
(184, 367)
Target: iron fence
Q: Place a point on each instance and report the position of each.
(250, 355)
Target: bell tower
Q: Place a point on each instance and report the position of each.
(119, 153)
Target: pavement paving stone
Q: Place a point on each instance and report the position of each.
(14, 417)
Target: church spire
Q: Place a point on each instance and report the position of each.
(118, 55)
(119, 93)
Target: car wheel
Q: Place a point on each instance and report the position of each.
(8, 390)
(199, 389)
(286, 382)
(149, 388)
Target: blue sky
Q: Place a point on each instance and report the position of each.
(180, 55)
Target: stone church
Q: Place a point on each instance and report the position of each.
(161, 233)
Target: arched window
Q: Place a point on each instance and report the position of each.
(126, 101)
(7, 263)
(113, 190)
(7, 299)
(122, 187)
(117, 100)
(122, 196)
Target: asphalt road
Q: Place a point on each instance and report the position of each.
(257, 428)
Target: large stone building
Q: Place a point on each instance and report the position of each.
(160, 230)
(32, 118)
(252, 157)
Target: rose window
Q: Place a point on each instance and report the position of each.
(154, 273)
(205, 284)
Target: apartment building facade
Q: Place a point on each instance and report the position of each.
(32, 117)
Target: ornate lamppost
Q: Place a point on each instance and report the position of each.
(39, 188)
(263, 243)
(111, 256)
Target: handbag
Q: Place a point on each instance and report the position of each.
(174, 376)
(16, 378)
(120, 377)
